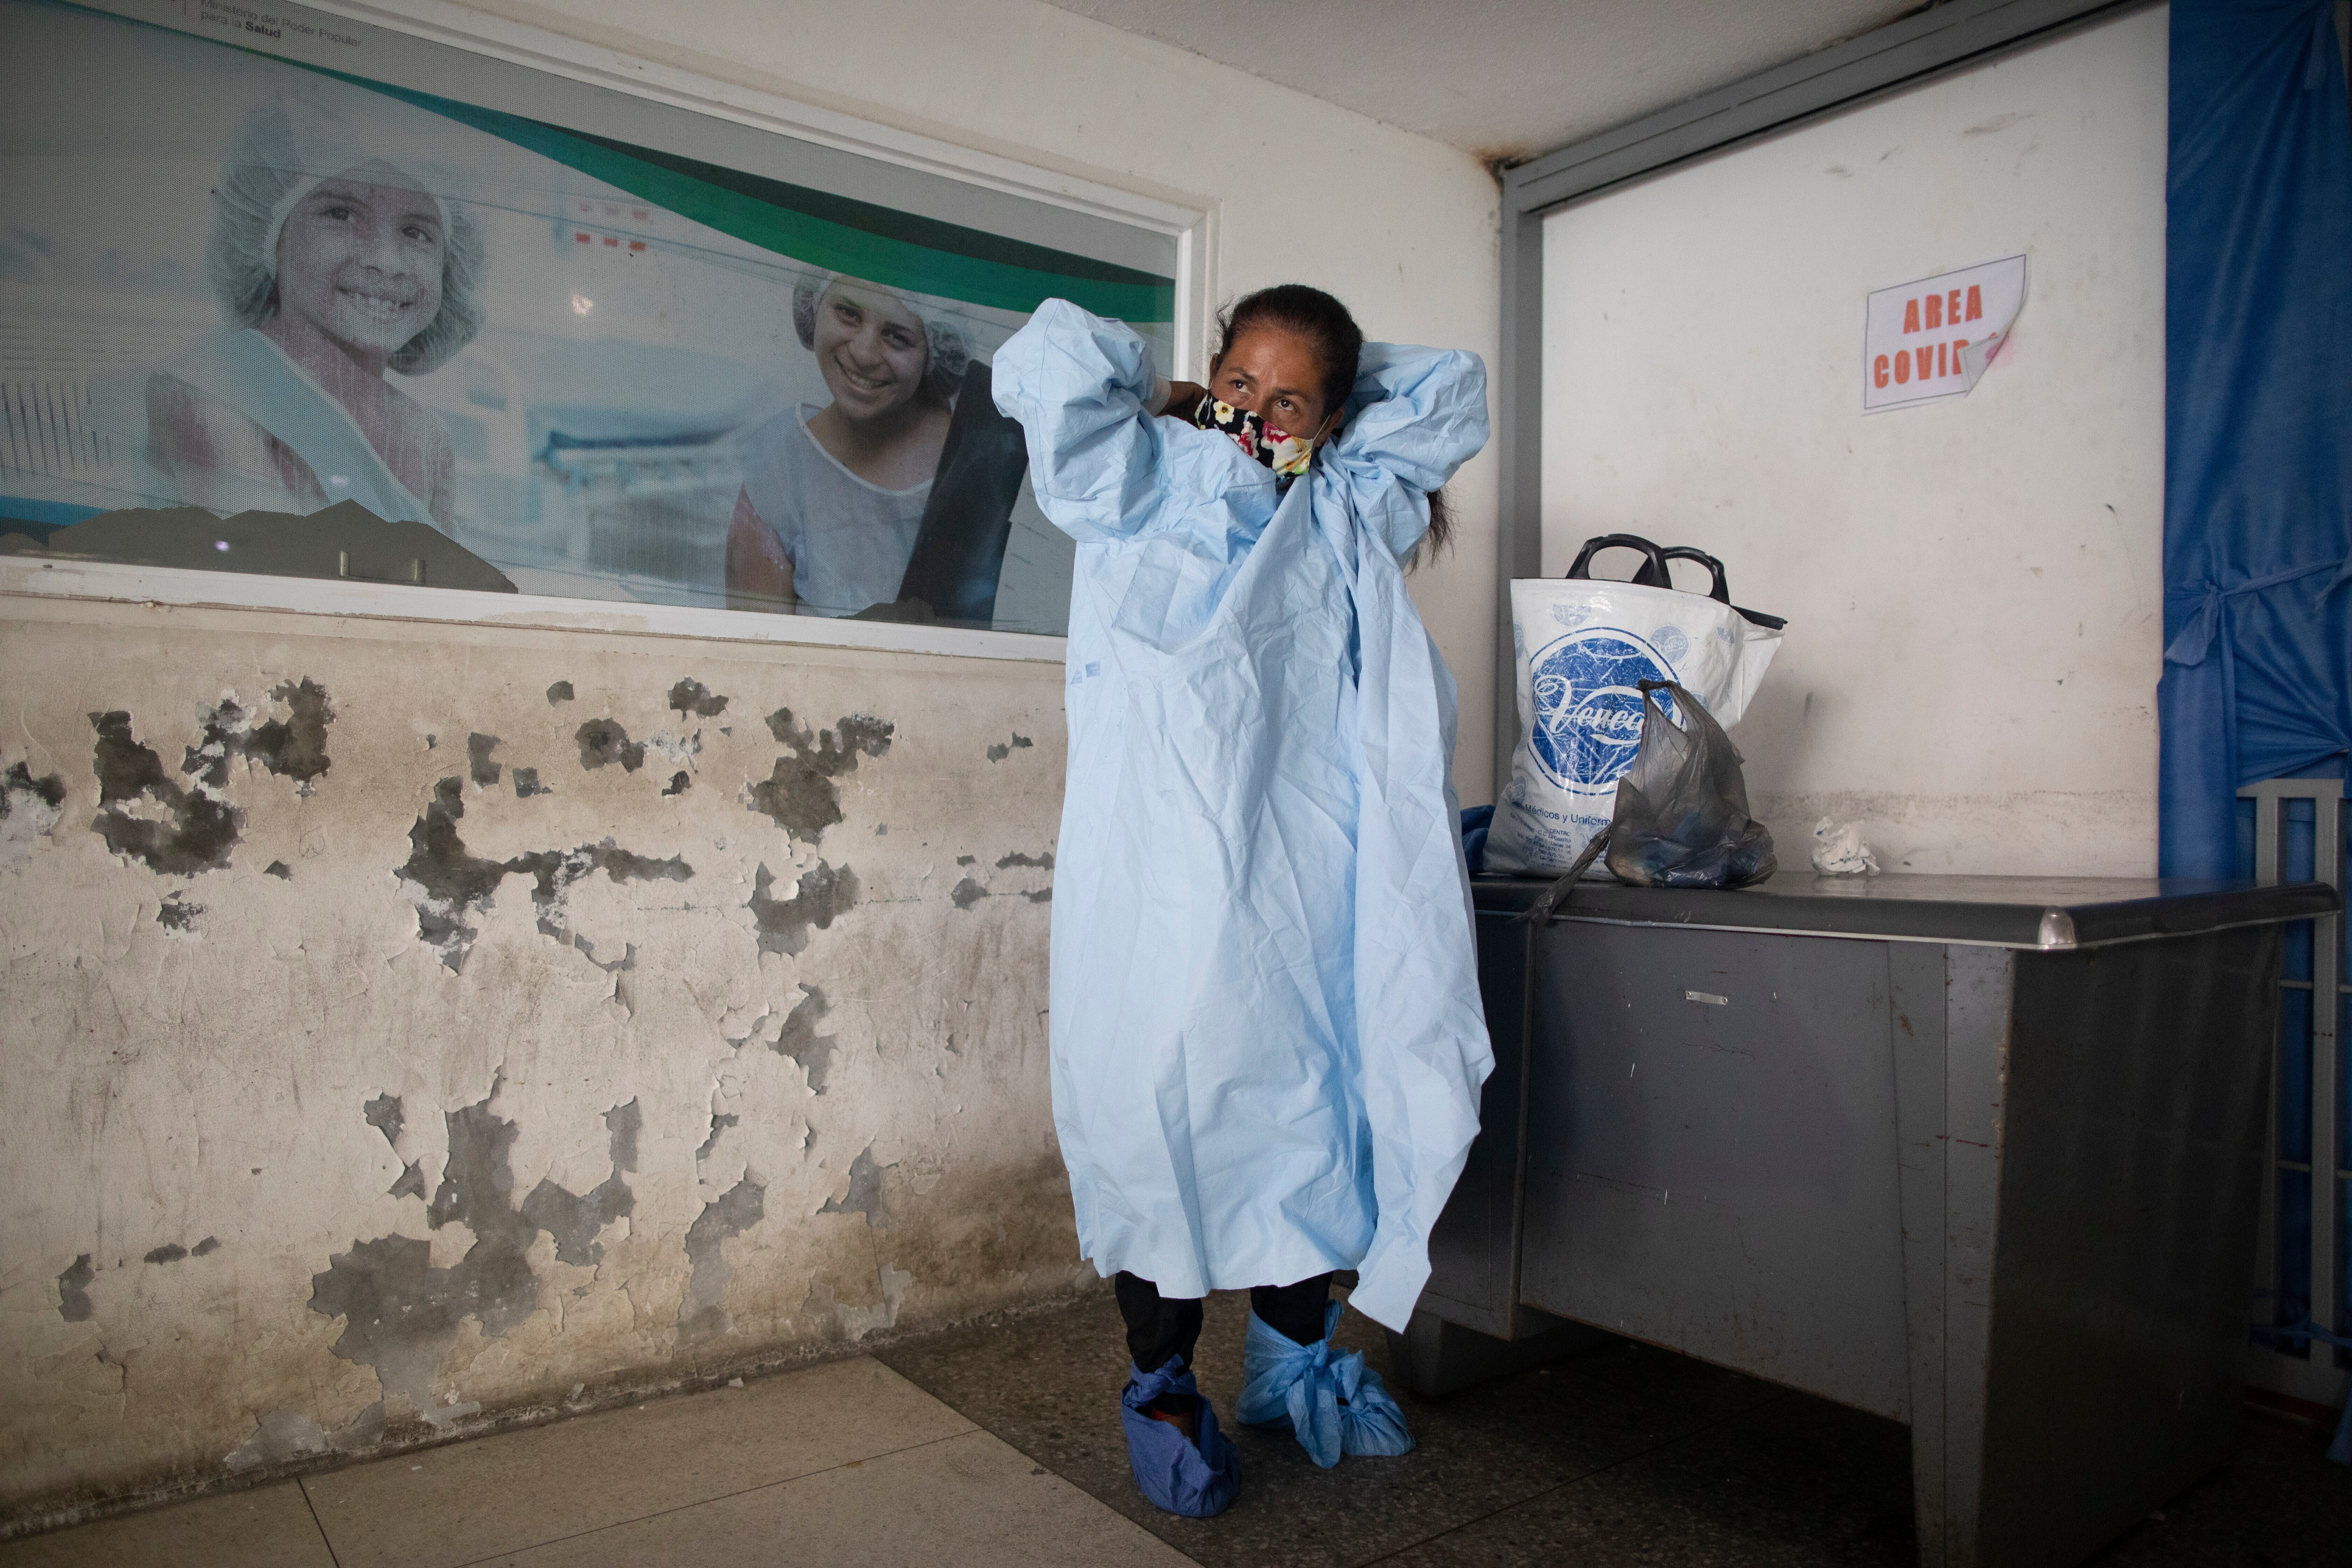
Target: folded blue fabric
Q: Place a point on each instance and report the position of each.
(1476, 821)
(1170, 1471)
(1332, 1402)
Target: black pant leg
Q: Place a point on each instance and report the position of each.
(1294, 1312)
(1158, 1327)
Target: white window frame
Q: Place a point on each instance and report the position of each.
(1191, 222)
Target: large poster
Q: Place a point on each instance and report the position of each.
(241, 274)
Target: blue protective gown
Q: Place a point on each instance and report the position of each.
(1268, 1040)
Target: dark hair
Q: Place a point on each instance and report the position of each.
(1332, 333)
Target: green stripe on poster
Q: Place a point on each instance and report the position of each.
(881, 245)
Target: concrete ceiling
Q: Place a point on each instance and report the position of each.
(1504, 80)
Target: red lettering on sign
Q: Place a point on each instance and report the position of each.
(1952, 309)
(1935, 311)
(1878, 372)
(1976, 301)
(1910, 315)
(1902, 365)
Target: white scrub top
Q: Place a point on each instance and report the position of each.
(848, 539)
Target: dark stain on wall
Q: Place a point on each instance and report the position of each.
(554, 870)
(742, 1206)
(401, 1314)
(1043, 862)
(1042, 896)
(200, 827)
(865, 1194)
(623, 1125)
(526, 782)
(207, 1246)
(280, 869)
(476, 1188)
(693, 697)
(801, 1041)
(559, 692)
(587, 949)
(49, 789)
(573, 1222)
(721, 1121)
(222, 735)
(36, 805)
(968, 893)
(1019, 742)
(383, 1113)
(479, 766)
(603, 741)
(456, 882)
(293, 747)
(175, 913)
(799, 793)
(169, 1252)
(199, 831)
(822, 894)
(679, 783)
(73, 1296)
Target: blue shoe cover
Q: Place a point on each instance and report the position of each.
(1172, 1474)
(1284, 1384)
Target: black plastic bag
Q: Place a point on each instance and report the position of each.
(1681, 818)
(1682, 815)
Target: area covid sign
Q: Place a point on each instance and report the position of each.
(1933, 339)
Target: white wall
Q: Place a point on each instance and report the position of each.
(1972, 587)
(1402, 227)
(283, 1180)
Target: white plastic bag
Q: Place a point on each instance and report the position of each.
(1583, 647)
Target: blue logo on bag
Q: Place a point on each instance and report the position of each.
(1589, 705)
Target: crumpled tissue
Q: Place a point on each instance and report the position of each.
(1839, 850)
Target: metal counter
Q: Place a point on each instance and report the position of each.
(1979, 1155)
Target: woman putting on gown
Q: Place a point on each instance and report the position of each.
(1268, 1040)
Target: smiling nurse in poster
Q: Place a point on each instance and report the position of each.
(833, 498)
(335, 260)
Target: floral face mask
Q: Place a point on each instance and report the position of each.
(1286, 454)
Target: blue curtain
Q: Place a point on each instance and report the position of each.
(2257, 679)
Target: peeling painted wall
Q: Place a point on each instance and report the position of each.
(410, 1023)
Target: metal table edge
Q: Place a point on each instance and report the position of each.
(2040, 927)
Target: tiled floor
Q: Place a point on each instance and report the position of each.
(1616, 1456)
(843, 1465)
(999, 1445)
